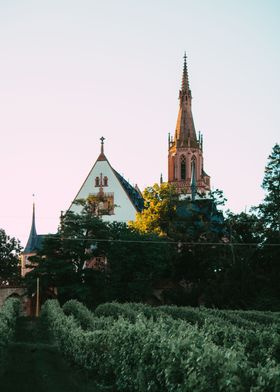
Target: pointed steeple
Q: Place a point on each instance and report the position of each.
(32, 240)
(185, 131)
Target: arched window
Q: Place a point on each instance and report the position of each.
(97, 181)
(105, 181)
(183, 167)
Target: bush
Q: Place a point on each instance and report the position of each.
(8, 315)
(136, 353)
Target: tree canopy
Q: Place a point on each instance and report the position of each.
(188, 249)
(130, 262)
(9, 259)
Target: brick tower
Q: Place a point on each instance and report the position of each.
(185, 150)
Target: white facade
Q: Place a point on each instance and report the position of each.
(124, 209)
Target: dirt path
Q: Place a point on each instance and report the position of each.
(35, 364)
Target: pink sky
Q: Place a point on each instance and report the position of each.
(72, 71)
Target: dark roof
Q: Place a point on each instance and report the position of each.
(133, 194)
(35, 240)
(34, 243)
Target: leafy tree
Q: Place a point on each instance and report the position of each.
(9, 259)
(268, 266)
(59, 264)
(192, 225)
(269, 210)
(218, 197)
(159, 210)
(131, 261)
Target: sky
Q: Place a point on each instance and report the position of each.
(73, 71)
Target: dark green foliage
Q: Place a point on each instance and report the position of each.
(9, 313)
(178, 251)
(269, 210)
(132, 262)
(9, 259)
(166, 354)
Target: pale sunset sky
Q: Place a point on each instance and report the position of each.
(73, 71)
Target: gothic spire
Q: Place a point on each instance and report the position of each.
(185, 131)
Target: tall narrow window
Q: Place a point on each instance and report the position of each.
(183, 167)
(97, 181)
(105, 181)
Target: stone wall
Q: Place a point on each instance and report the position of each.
(7, 291)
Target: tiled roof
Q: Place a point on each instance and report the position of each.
(133, 194)
(34, 243)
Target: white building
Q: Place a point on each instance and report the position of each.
(108, 193)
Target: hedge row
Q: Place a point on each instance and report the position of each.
(85, 318)
(8, 315)
(225, 328)
(156, 355)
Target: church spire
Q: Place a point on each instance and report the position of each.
(32, 239)
(185, 131)
(185, 155)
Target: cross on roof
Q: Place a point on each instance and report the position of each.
(102, 144)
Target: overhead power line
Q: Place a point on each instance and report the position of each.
(161, 242)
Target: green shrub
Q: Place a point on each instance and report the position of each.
(9, 313)
(158, 353)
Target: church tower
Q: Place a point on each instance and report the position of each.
(185, 150)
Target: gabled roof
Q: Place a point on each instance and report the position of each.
(133, 193)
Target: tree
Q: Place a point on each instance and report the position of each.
(268, 266)
(132, 262)
(159, 210)
(60, 262)
(9, 259)
(191, 224)
(269, 210)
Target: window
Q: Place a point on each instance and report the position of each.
(183, 167)
(97, 181)
(105, 181)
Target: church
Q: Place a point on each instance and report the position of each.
(185, 150)
(112, 198)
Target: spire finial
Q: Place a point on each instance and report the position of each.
(185, 79)
(102, 144)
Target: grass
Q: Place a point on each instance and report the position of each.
(34, 364)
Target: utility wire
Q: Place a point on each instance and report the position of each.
(161, 242)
